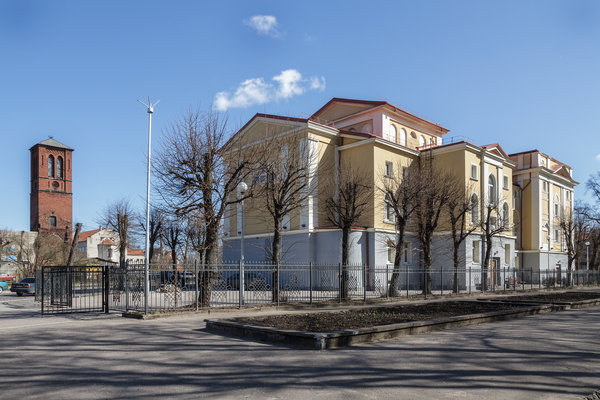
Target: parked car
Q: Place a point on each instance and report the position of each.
(6, 277)
(3, 286)
(26, 285)
(252, 281)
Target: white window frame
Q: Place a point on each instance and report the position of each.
(505, 182)
(545, 186)
(389, 169)
(387, 211)
(492, 188)
(391, 254)
(393, 134)
(403, 137)
(476, 252)
(474, 168)
(474, 210)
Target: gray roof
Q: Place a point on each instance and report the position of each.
(53, 143)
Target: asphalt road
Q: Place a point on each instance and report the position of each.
(550, 356)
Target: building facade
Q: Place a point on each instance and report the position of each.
(51, 199)
(380, 137)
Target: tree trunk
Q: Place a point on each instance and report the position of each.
(74, 244)
(276, 258)
(209, 274)
(456, 259)
(345, 263)
(427, 262)
(393, 289)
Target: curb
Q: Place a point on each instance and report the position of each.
(329, 340)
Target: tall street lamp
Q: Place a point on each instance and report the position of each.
(150, 108)
(242, 188)
(587, 255)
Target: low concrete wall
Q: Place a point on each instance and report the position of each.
(320, 341)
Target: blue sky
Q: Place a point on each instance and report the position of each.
(523, 74)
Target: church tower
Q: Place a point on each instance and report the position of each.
(51, 199)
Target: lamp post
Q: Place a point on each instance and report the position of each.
(587, 255)
(548, 238)
(242, 188)
(150, 108)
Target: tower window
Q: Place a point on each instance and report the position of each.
(52, 221)
(59, 167)
(51, 166)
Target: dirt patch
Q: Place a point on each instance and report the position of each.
(366, 317)
(558, 297)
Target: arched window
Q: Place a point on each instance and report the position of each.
(392, 137)
(492, 188)
(51, 166)
(367, 129)
(474, 209)
(421, 141)
(402, 137)
(59, 167)
(506, 216)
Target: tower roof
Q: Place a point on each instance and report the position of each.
(53, 143)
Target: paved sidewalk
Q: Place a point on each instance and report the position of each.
(551, 356)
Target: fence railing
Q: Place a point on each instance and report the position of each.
(195, 286)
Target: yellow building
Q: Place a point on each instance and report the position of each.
(379, 136)
(544, 190)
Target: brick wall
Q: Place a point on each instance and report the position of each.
(51, 196)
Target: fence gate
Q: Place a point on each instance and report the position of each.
(65, 290)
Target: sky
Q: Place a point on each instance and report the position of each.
(522, 74)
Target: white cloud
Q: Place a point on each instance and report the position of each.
(317, 83)
(288, 83)
(598, 157)
(263, 24)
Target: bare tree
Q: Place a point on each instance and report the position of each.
(120, 215)
(574, 226)
(173, 237)
(459, 206)
(437, 189)
(156, 227)
(198, 170)
(347, 197)
(400, 189)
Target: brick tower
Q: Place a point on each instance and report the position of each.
(51, 201)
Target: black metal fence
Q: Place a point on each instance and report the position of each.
(194, 286)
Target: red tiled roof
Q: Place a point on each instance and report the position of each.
(83, 236)
(135, 252)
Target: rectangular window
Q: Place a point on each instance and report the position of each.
(390, 255)
(516, 200)
(545, 187)
(474, 172)
(556, 235)
(505, 182)
(556, 210)
(406, 252)
(404, 172)
(507, 254)
(568, 195)
(476, 251)
(52, 221)
(389, 169)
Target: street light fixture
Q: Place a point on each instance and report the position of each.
(587, 255)
(242, 189)
(150, 108)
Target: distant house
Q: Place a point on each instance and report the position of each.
(135, 256)
(101, 244)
